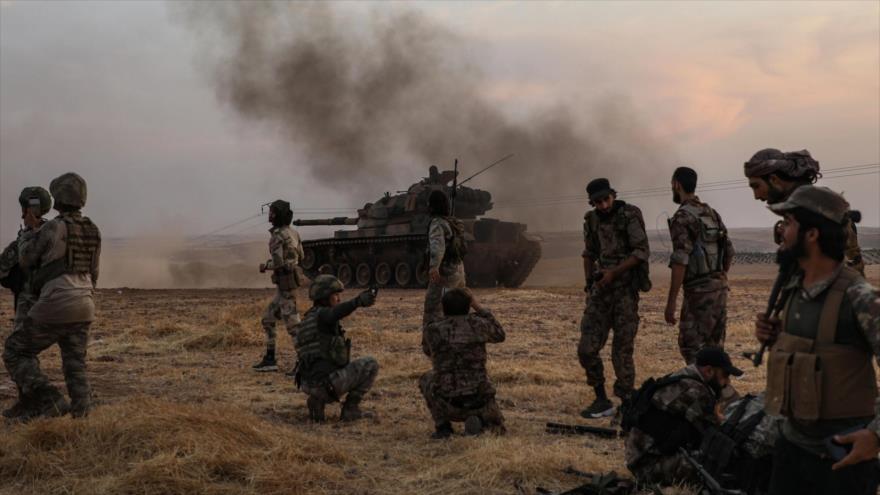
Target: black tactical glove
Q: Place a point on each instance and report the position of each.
(366, 298)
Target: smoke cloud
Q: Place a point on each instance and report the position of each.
(365, 103)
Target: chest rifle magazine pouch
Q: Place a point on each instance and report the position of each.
(806, 379)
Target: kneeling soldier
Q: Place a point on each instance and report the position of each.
(324, 370)
(458, 388)
(672, 413)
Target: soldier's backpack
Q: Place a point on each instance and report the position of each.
(457, 248)
(708, 254)
(669, 431)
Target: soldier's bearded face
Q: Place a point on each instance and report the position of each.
(604, 205)
(760, 188)
(676, 195)
(792, 247)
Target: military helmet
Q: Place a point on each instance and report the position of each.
(31, 193)
(324, 286)
(68, 190)
(819, 200)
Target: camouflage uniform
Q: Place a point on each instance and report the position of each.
(458, 387)
(618, 237)
(286, 250)
(61, 314)
(690, 399)
(439, 236)
(703, 318)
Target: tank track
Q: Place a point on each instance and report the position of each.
(365, 240)
(531, 254)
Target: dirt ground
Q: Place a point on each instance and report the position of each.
(180, 411)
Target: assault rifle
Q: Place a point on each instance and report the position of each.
(774, 306)
(711, 486)
(563, 429)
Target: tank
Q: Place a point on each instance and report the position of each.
(389, 246)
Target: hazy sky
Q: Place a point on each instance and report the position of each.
(122, 93)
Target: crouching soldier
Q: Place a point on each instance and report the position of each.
(324, 370)
(671, 413)
(458, 388)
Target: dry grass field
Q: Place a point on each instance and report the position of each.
(180, 411)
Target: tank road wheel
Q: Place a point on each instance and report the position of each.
(402, 274)
(422, 274)
(309, 259)
(362, 275)
(383, 274)
(343, 273)
(326, 268)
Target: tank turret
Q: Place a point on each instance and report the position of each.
(389, 245)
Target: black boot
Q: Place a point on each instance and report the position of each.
(316, 408)
(442, 431)
(601, 407)
(473, 426)
(48, 402)
(351, 410)
(268, 363)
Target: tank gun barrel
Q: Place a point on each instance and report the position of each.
(326, 221)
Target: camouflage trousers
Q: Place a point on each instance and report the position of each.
(283, 308)
(21, 357)
(453, 278)
(355, 379)
(703, 322)
(617, 308)
(445, 410)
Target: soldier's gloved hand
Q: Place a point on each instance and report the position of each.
(366, 298)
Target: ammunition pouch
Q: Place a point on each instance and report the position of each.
(339, 350)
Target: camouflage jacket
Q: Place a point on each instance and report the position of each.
(457, 348)
(864, 299)
(684, 229)
(692, 400)
(285, 248)
(610, 240)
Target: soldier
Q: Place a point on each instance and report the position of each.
(701, 257)
(774, 175)
(445, 255)
(615, 241)
(36, 200)
(63, 255)
(819, 375)
(458, 388)
(324, 370)
(673, 413)
(285, 249)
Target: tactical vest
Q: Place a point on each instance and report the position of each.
(313, 345)
(809, 375)
(707, 256)
(669, 431)
(641, 279)
(83, 243)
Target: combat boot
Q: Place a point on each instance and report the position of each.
(268, 363)
(351, 410)
(600, 408)
(442, 431)
(48, 402)
(21, 406)
(316, 408)
(473, 426)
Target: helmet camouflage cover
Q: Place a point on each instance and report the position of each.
(323, 286)
(35, 193)
(69, 190)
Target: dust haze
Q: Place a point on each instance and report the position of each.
(370, 104)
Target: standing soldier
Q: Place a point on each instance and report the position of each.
(773, 175)
(820, 375)
(458, 387)
(324, 370)
(701, 256)
(616, 269)
(286, 250)
(63, 255)
(446, 251)
(36, 201)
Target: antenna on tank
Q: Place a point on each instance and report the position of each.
(454, 189)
